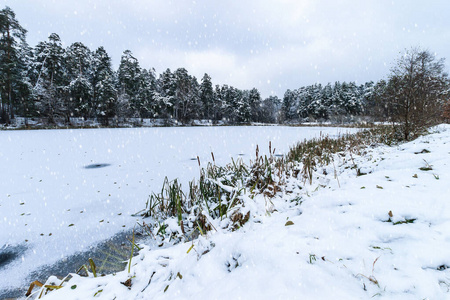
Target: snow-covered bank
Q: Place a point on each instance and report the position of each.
(63, 191)
(385, 234)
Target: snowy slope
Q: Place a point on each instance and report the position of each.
(52, 206)
(383, 235)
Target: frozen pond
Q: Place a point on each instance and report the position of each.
(63, 191)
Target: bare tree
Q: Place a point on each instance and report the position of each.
(416, 91)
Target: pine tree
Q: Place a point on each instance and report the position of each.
(128, 78)
(231, 98)
(182, 102)
(167, 90)
(146, 99)
(301, 103)
(78, 60)
(327, 98)
(243, 107)
(50, 86)
(288, 106)
(106, 96)
(270, 109)
(12, 64)
(337, 109)
(365, 92)
(79, 101)
(219, 103)
(196, 107)
(23, 88)
(207, 97)
(254, 100)
(351, 99)
(103, 82)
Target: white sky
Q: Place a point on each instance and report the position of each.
(267, 44)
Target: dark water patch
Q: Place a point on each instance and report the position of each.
(96, 166)
(10, 253)
(423, 151)
(6, 257)
(109, 256)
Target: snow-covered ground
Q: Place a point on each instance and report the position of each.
(62, 191)
(382, 235)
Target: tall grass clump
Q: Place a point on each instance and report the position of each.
(307, 156)
(217, 194)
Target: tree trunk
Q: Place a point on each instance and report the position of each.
(11, 108)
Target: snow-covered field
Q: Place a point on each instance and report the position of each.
(62, 191)
(382, 235)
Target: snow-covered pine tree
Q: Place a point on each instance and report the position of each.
(219, 103)
(13, 46)
(23, 88)
(365, 92)
(78, 59)
(207, 97)
(254, 100)
(103, 82)
(146, 97)
(128, 80)
(167, 88)
(196, 107)
(337, 110)
(303, 103)
(270, 108)
(318, 107)
(49, 88)
(182, 103)
(107, 103)
(231, 98)
(243, 107)
(26, 104)
(327, 98)
(352, 100)
(288, 107)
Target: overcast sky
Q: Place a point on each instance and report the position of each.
(267, 44)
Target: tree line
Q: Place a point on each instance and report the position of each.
(57, 84)
(337, 102)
